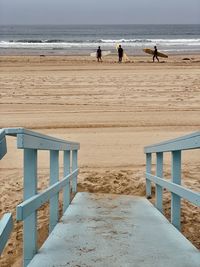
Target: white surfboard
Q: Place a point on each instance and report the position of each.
(125, 57)
(104, 53)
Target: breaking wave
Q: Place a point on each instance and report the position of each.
(64, 44)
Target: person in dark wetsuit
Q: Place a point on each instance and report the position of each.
(99, 54)
(155, 54)
(120, 53)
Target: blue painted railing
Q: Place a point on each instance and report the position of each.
(6, 226)
(3, 148)
(174, 146)
(6, 222)
(31, 142)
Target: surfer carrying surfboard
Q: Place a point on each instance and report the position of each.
(120, 53)
(99, 54)
(155, 54)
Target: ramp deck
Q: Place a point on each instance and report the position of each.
(115, 230)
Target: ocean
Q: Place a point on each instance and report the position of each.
(84, 39)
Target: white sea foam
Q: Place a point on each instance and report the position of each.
(131, 42)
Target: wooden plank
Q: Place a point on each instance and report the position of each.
(176, 200)
(2, 134)
(179, 190)
(54, 178)
(66, 189)
(6, 226)
(3, 147)
(26, 208)
(191, 141)
(74, 167)
(30, 189)
(33, 140)
(159, 173)
(30, 141)
(148, 170)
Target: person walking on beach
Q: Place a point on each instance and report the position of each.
(99, 54)
(120, 53)
(155, 54)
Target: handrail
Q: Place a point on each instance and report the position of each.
(31, 142)
(6, 223)
(30, 139)
(186, 142)
(175, 146)
(26, 208)
(6, 226)
(183, 192)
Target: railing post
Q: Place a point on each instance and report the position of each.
(3, 146)
(66, 190)
(54, 177)
(148, 170)
(159, 173)
(30, 189)
(74, 167)
(176, 200)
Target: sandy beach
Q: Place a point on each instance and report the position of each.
(113, 110)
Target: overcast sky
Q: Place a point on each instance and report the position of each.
(99, 11)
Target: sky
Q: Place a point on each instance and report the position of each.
(99, 12)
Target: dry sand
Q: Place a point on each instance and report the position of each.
(113, 110)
